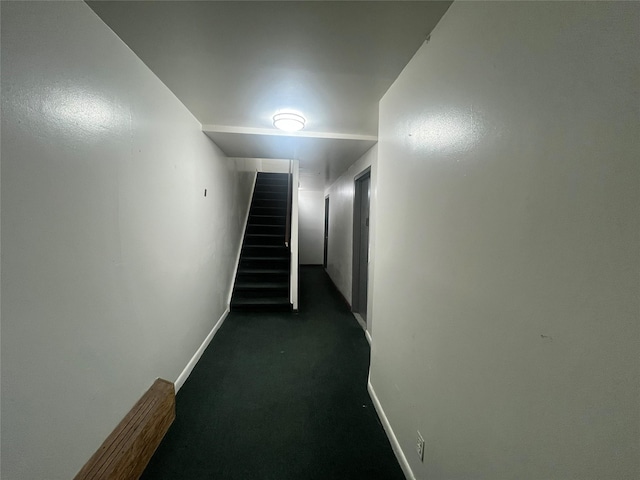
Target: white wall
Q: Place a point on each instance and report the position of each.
(506, 289)
(115, 266)
(311, 226)
(340, 251)
(271, 165)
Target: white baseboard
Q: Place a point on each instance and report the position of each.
(360, 320)
(363, 324)
(395, 445)
(196, 356)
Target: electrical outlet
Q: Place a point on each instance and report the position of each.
(420, 447)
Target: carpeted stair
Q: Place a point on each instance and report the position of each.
(262, 281)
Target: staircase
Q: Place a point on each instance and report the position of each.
(262, 281)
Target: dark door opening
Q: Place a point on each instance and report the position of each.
(361, 206)
(326, 231)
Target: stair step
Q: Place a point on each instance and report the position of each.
(268, 182)
(258, 263)
(263, 258)
(269, 202)
(267, 229)
(278, 193)
(265, 250)
(239, 303)
(262, 285)
(277, 200)
(266, 271)
(259, 239)
(264, 235)
(261, 301)
(266, 192)
(262, 272)
(275, 211)
(280, 187)
(263, 176)
(243, 279)
(267, 219)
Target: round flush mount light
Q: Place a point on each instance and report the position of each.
(288, 121)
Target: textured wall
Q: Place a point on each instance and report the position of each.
(115, 266)
(507, 264)
(311, 227)
(340, 255)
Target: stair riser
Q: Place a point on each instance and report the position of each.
(278, 196)
(254, 277)
(272, 264)
(272, 185)
(256, 294)
(264, 251)
(266, 220)
(277, 193)
(264, 240)
(280, 189)
(269, 203)
(267, 229)
(261, 308)
(268, 211)
(272, 176)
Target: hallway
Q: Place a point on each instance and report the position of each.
(503, 262)
(280, 396)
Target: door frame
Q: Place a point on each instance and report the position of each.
(356, 301)
(325, 260)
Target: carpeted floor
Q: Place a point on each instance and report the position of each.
(280, 396)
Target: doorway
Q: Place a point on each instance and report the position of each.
(326, 231)
(361, 207)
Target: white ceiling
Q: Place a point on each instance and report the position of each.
(235, 63)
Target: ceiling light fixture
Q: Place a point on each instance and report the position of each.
(288, 121)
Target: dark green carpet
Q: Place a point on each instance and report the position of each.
(280, 396)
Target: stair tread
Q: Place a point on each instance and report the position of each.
(253, 271)
(261, 301)
(262, 285)
(261, 257)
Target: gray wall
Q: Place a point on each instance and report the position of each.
(506, 291)
(311, 226)
(115, 266)
(341, 194)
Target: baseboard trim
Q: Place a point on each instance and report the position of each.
(196, 356)
(363, 325)
(395, 445)
(344, 299)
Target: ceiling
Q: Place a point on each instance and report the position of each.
(235, 63)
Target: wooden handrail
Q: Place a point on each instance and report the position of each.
(287, 235)
(127, 450)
